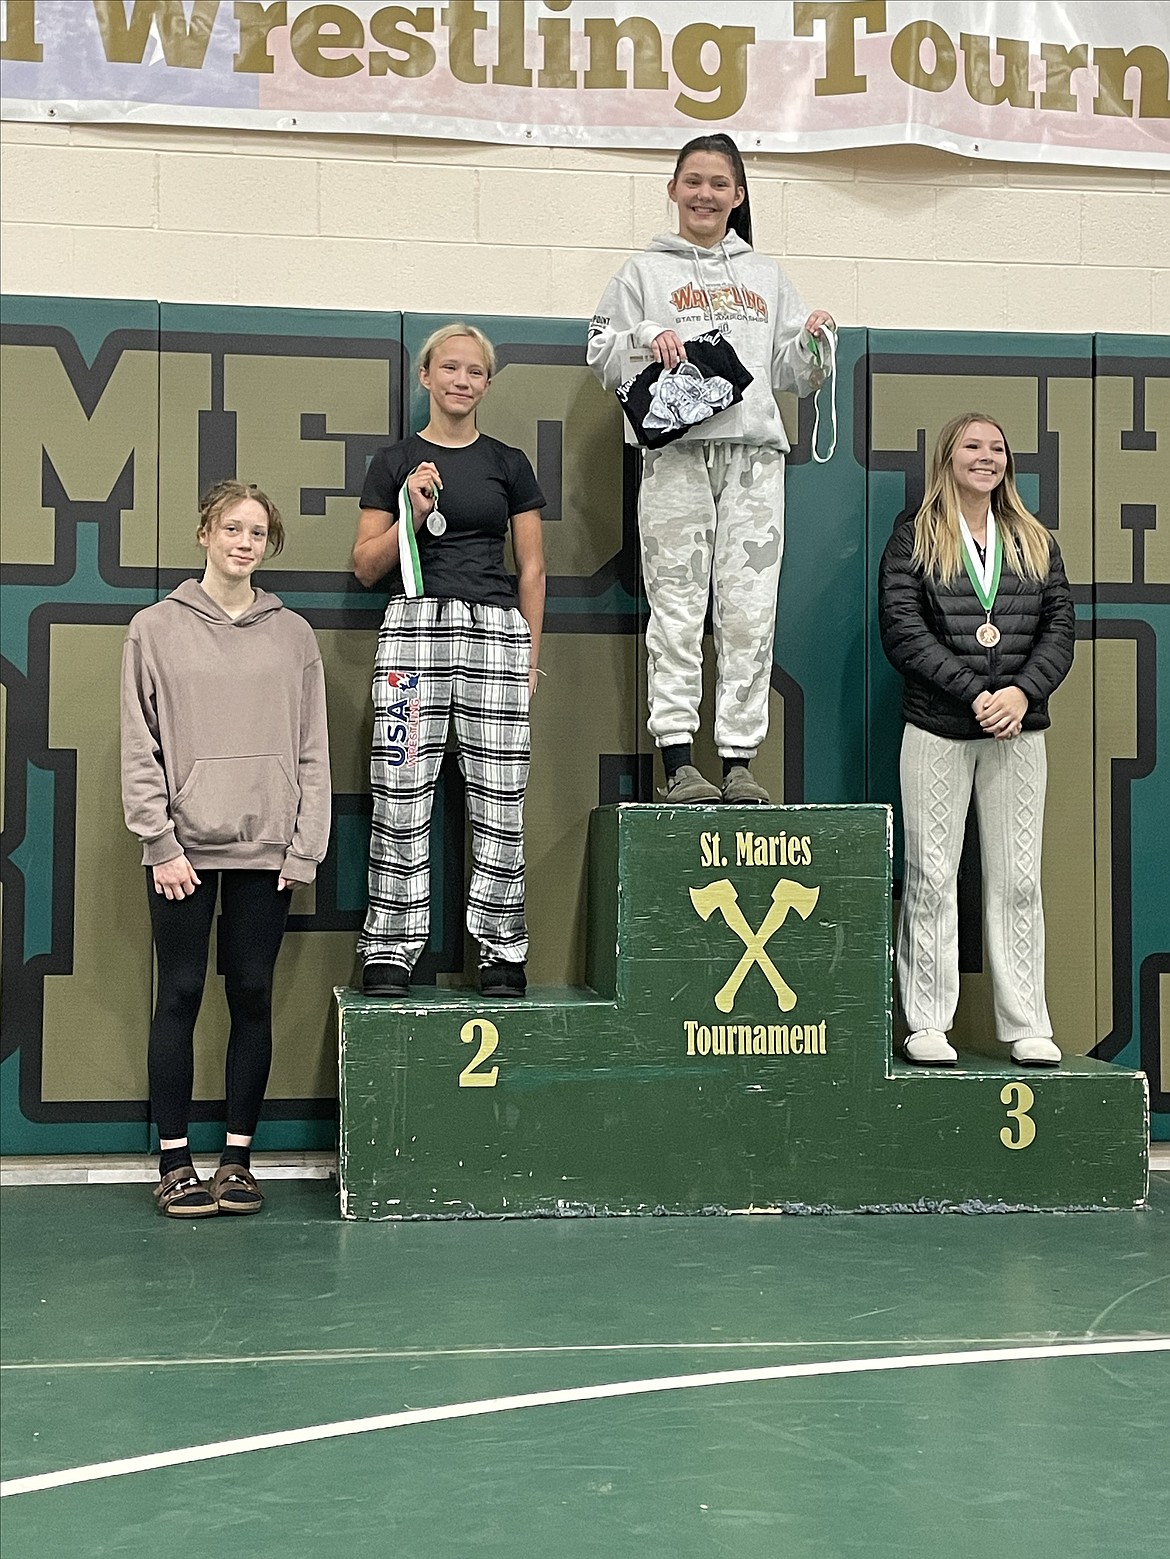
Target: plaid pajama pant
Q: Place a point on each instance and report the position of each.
(440, 661)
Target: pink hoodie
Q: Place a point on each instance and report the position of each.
(225, 749)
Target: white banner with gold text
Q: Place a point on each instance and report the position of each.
(1025, 80)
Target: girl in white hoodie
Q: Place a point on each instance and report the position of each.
(711, 506)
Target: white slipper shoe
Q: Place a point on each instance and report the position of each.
(1036, 1052)
(929, 1047)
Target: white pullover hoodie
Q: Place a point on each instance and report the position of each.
(673, 285)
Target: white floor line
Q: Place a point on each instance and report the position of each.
(388, 1355)
(628, 1388)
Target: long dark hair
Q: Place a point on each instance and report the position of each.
(740, 218)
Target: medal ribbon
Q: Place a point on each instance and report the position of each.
(408, 559)
(830, 338)
(986, 593)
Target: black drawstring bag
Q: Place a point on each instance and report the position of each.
(662, 405)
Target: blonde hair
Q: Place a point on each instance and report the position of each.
(224, 494)
(938, 541)
(456, 328)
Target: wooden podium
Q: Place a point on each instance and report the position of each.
(731, 1054)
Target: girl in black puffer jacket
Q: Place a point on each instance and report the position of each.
(976, 614)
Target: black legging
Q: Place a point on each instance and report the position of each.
(251, 925)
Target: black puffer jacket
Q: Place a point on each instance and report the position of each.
(928, 634)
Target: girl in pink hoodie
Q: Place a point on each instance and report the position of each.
(225, 780)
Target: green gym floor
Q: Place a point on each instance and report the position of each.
(660, 1388)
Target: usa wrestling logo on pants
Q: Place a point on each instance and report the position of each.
(402, 719)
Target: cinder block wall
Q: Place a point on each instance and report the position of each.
(890, 237)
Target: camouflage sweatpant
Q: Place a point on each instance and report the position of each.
(711, 521)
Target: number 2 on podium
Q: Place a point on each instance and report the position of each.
(1024, 1098)
(489, 1037)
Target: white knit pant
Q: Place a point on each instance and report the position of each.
(711, 518)
(1008, 779)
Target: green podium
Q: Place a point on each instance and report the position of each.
(732, 1054)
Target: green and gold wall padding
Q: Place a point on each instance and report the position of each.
(117, 414)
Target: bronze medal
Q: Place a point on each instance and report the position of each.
(987, 634)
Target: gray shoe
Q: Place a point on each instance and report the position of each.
(688, 787)
(740, 789)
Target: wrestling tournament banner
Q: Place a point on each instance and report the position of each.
(1039, 81)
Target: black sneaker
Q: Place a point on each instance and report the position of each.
(385, 980)
(501, 979)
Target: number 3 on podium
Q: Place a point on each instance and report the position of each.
(1024, 1099)
(489, 1037)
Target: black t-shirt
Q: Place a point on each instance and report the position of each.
(484, 484)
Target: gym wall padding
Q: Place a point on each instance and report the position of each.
(117, 414)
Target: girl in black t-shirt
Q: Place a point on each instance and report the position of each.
(459, 642)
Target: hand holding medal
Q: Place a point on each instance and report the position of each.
(418, 505)
(423, 486)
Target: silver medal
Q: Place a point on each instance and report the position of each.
(436, 523)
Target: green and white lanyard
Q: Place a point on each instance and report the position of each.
(829, 362)
(984, 575)
(408, 558)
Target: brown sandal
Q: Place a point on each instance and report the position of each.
(235, 1190)
(181, 1194)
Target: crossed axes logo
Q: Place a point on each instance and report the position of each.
(786, 895)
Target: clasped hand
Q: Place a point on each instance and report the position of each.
(1001, 714)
